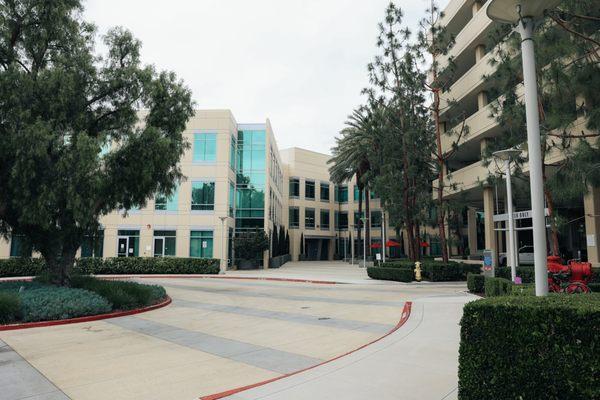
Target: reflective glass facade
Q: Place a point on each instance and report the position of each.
(250, 180)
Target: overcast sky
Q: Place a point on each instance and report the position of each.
(300, 63)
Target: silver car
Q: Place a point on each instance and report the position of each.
(525, 256)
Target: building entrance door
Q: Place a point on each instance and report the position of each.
(159, 247)
(125, 247)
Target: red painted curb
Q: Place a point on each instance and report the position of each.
(89, 318)
(404, 317)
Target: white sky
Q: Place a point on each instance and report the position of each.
(300, 63)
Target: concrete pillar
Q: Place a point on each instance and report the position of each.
(482, 99)
(591, 208)
(476, 7)
(490, 234)
(479, 52)
(472, 230)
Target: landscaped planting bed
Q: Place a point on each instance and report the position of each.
(434, 271)
(115, 266)
(527, 347)
(39, 301)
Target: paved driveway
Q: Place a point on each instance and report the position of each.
(218, 334)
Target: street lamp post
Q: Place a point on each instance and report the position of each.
(223, 259)
(364, 223)
(513, 259)
(524, 14)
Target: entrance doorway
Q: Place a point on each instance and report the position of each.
(317, 249)
(128, 243)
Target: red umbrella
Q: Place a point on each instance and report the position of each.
(391, 243)
(376, 246)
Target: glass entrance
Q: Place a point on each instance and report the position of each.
(128, 243)
(159, 247)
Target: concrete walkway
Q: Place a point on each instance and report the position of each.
(220, 334)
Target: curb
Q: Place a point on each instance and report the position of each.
(89, 318)
(404, 317)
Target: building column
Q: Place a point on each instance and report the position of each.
(482, 99)
(479, 52)
(472, 230)
(490, 234)
(591, 208)
(476, 7)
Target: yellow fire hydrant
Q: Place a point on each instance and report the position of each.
(418, 271)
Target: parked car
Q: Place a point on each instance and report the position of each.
(525, 256)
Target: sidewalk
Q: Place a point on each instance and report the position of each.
(419, 361)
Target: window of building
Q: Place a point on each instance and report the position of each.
(203, 196)
(231, 198)
(164, 203)
(294, 187)
(341, 220)
(309, 190)
(93, 245)
(201, 244)
(325, 216)
(128, 243)
(20, 246)
(294, 217)
(376, 219)
(341, 194)
(356, 193)
(357, 217)
(309, 218)
(164, 243)
(205, 147)
(324, 192)
(232, 152)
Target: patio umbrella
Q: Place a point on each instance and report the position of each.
(391, 243)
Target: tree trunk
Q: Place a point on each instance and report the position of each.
(553, 228)
(368, 220)
(60, 266)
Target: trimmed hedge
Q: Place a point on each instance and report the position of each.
(53, 303)
(476, 283)
(10, 307)
(115, 266)
(391, 274)
(497, 287)
(527, 274)
(122, 295)
(594, 287)
(438, 271)
(527, 347)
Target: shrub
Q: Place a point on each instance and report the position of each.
(391, 274)
(476, 283)
(595, 275)
(527, 347)
(15, 286)
(250, 245)
(527, 289)
(115, 266)
(438, 271)
(21, 267)
(497, 287)
(527, 274)
(10, 307)
(398, 264)
(122, 295)
(53, 303)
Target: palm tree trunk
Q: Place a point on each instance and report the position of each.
(368, 220)
(359, 222)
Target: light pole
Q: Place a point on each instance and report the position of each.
(513, 258)
(223, 259)
(524, 13)
(364, 223)
(383, 234)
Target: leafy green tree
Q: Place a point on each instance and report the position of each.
(275, 242)
(568, 62)
(72, 144)
(250, 245)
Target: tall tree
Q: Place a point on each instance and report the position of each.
(62, 107)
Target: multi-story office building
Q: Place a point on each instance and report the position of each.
(236, 180)
(468, 96)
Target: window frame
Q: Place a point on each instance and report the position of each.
(204, 135)
(311, 182)
(209, 207)
(294, 211)
(314, 217)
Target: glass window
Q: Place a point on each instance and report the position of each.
(357, 217)
(20, 246)
(341, 194)
(309, 218)
(232, 152)
(324, 189)
(128, 243)
(294, 187)
(93, 245)
(342, 220)
(294, 217)
(201, 244)
(205, 147)
(164, 243)
(203, 196)
(356, 192)
(325, 216)
(376, 219)
(309, 190)
(164, 203)
(231, 198)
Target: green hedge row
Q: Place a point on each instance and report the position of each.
(438, 271)
(121, 294)
(527, 347)
(497, 287)
(116, 266)
(527, 274)
(476, 283)
(391, 274)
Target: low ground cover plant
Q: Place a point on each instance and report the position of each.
(40, 301)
